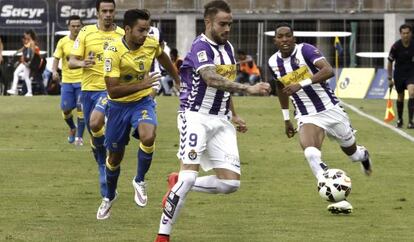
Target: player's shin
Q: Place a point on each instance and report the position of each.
(144, 161)
(176, 200)
(112, 175)
(410, 109)
(100, 156)
(81, 124)
(314, 158)
(69, 120)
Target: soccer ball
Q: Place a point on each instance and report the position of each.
(334, 185)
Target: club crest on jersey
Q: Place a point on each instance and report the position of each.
(296, 61)
(108, 65)
(192, 155)
(202, 56)
(105, 45)
(141, 66)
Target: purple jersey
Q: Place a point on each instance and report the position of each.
(300, 65)
(195, 94)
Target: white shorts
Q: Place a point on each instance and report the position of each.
(335, 122)
(208, 140)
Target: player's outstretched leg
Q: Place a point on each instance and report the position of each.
(175, 202)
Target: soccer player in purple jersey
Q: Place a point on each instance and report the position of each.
(207, 136)
(301, 72)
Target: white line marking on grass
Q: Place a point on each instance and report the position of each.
(380, 122)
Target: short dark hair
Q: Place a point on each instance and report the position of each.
(73, 17)
(213, 7)
(284, 24)
(406, 26)
(98, 3)
(132, 15)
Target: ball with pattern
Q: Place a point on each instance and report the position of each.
(334, 185)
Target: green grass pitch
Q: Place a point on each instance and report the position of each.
(49, 189)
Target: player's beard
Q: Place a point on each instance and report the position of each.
(219, 39)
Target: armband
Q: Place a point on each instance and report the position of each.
(285, 113)
(305, 83)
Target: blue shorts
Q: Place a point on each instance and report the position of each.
(121, 117)
(93, 100)
(69, 95)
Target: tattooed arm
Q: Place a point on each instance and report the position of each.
(215, 80)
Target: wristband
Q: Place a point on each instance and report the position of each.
(285, 113)
(305, 82)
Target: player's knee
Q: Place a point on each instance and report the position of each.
(67, 112)
(312, 153)
(95, 125)
(147, 139)
(228, 186)
(188, 178)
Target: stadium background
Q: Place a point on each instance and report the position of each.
(366, 19)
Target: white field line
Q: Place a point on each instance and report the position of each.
(378, 121)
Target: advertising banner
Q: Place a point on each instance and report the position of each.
(354, 82)
(379, 85)
(23, 14)
(85, 9)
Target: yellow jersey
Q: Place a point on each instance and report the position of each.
(92, 42)
(131, 66)
(62, 51)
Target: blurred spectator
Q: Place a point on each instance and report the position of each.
(167, 82)
(248, 71)
(30, 52)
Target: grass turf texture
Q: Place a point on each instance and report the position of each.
(49, 189)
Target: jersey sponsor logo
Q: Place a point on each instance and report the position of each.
(112, 48)
(296, 76)
(108, 65)
(228, 71)
(202, 56)
(192, 155)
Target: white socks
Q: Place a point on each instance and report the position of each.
(313, 156)
(176, 200)
(188, 180)
(359, 154)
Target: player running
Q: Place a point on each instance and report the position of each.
(71, 81)
(207, 136)
(87, 53)
(301, 72)
(130, 106)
